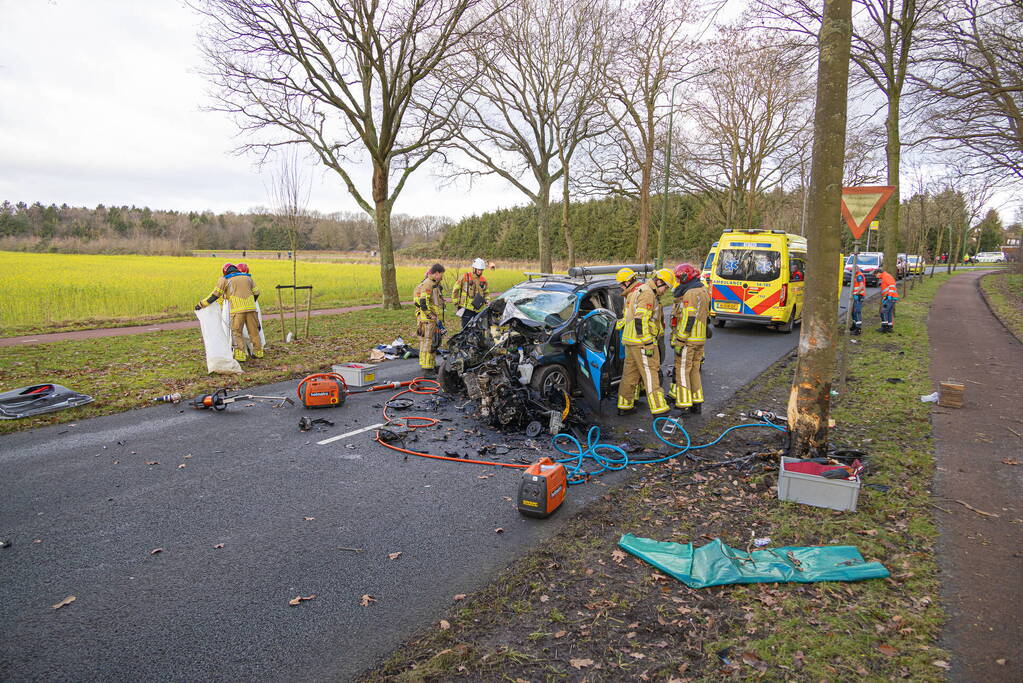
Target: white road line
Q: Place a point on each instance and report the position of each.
(346, 435)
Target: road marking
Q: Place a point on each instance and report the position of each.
(346, 435)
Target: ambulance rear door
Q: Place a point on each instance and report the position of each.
(749, 276)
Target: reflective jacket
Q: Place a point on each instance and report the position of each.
(469, 290)
(239, 290)
(888, 286)
(639, 327)
(428, 301)
(691, 317)
(859, 283)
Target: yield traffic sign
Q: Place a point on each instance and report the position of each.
(861, 204)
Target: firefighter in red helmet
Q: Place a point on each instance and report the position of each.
(688, 337)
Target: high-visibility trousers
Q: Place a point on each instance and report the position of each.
(640, 367)
(249, 320)
(425, 331)
(688, 386)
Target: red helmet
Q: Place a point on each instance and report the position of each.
(686, 272)
(227, 267)
(244, 267)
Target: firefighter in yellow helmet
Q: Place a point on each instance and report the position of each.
(688, 337)
(428, 298)
(641, 326)
(241, 293)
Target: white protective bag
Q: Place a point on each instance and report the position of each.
(216, 337)
(245, 330)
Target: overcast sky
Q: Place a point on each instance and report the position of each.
(101, 102)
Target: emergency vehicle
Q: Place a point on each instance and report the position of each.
(758, 276)
(708, 265)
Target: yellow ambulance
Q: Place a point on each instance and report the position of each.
(758, 276)
(708, 265)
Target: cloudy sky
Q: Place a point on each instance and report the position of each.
(101, 102)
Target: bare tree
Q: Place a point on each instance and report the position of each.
(289, 192)
(972, 86)
(351, 81)
(653, 54)
(528, 93)
(884, 45)
(750, 124)
(810, 397)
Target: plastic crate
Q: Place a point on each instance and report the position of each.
(810, 489)
(357, 374)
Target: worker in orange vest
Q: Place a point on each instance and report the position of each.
(859, 293)
(889, 296)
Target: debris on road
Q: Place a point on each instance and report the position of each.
(66, 601)
(298, 599)
(39, 399)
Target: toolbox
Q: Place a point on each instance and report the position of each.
(816, 490)
(357, 374)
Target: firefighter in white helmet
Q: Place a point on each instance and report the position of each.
(471, 293)
(642, 325)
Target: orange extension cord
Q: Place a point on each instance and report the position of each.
(423, 385)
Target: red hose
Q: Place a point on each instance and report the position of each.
(423, 385)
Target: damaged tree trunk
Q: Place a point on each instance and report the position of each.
(810, 397)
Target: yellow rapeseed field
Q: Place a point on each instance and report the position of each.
(49, 289)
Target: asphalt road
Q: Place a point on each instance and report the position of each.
(85, 510)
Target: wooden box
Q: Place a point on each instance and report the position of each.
(950, 394)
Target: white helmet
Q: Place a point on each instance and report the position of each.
(479, 264)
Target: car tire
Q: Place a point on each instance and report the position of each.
(554, 373)
(718, 322)
(786, 327)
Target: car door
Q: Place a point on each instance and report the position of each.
(595, 355)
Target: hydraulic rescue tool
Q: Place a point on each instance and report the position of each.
(543, 488)
(329, 390)
(220, 399)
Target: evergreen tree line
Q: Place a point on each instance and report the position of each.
(124, 229)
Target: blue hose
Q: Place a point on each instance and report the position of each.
(612, 458)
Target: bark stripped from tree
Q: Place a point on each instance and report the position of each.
(810, 397)
(350, 81)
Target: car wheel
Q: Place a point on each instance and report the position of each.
(786, 327)
(552, 376)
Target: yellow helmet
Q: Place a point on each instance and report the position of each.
(625, 274)
(667, 277)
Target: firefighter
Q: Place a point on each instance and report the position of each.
(688, 337)
(429, 302)
(471, 292)
(241, 293)
(859, 293)
(889, 296)
(640, 330)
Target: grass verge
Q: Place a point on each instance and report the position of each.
(1004, 294)
(577, 607)
(122, 373)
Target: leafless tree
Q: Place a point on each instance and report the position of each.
(289, 193)
(750, 124)
(528, 81)
(810, 397)
(351, 81)
(654, 52)
(972, 86)
(885, 46)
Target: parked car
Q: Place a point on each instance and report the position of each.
(551, 333)
(868, 262)
(989, 257)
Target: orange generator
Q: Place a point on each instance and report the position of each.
(543, 488)
(323, 390)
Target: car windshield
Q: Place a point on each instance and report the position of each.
(542, 305)
(710, 260)
(753, 265)
(864, 260)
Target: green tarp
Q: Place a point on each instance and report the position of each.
(716, 564)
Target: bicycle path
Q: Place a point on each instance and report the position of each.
(979, 452)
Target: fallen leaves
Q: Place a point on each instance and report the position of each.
(182, 466)
(499, 530)
(460, 596)
(66, 601)
(366, 599)
(618, 556)
(298, 599)
(560, 634)
(394, 556)
(156, 551)
(1008, 461)
(887, 650)
(309, 519)
(580, 663)
(152, 462)
(941, 664)
(219, 546)
(444, 624)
